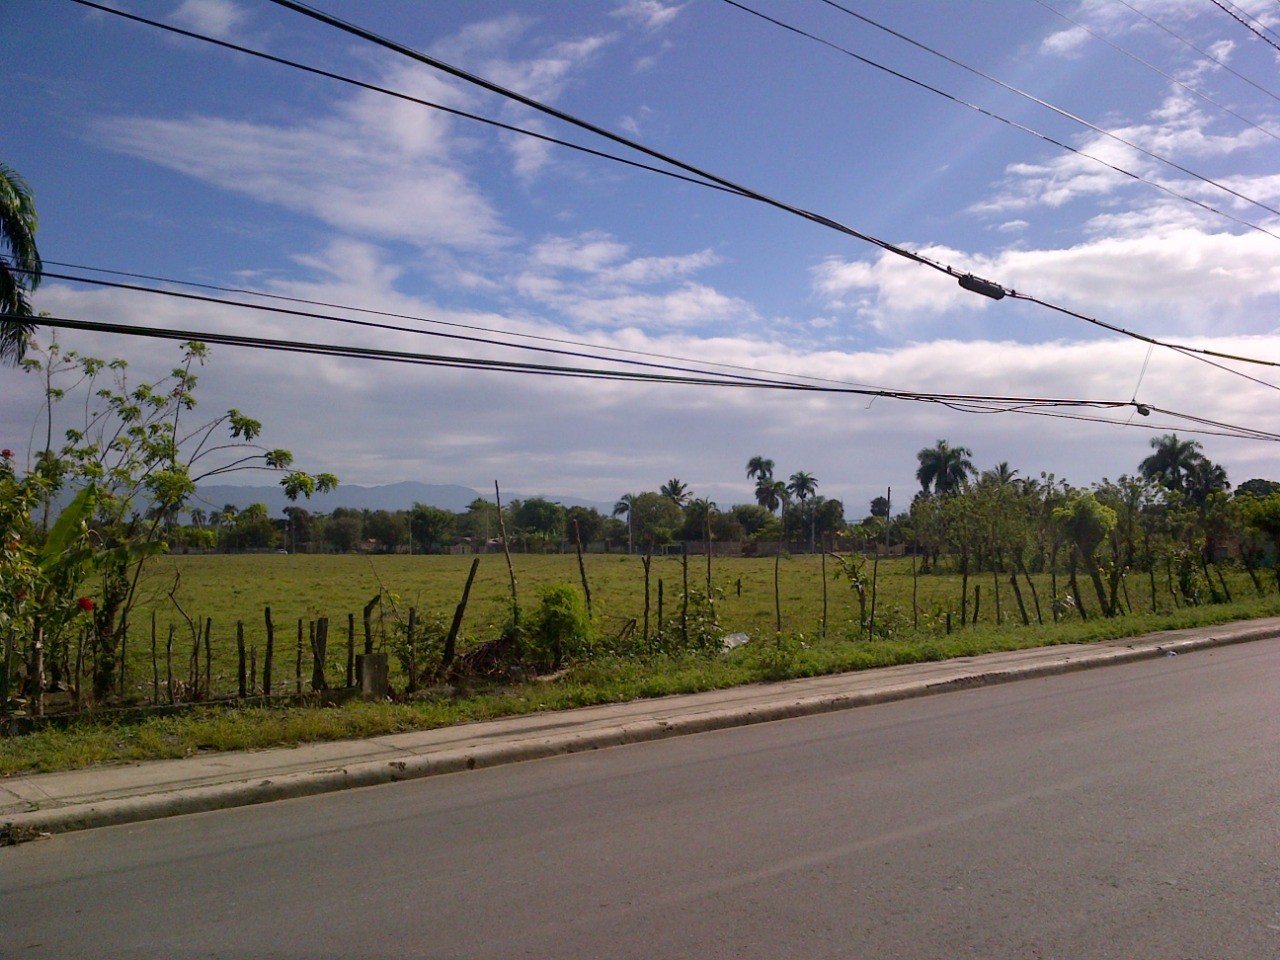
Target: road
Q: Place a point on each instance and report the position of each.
(1129, 812)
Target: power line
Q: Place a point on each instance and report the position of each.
(966, 280)
(963, 402)
(754, 371)
(374, 88)
(1203, 53)
(1019, 126)
(1229, 10)
(286, 311)
(1195, 353)
(1152, 67)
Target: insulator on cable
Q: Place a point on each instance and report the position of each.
(985, 287)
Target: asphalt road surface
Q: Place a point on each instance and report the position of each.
(1130, 812)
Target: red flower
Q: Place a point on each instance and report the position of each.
(6, 453)
(20, 595)
(85, 604)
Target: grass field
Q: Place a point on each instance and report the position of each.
(227, 589)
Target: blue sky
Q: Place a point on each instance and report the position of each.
(166, 156)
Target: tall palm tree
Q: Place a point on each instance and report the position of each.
(1204, 478)
(1172, 461)
(625, 505)
(771, 494)
(20, 264)
(759, 468)
(676, 491)
(944, 467)
(803, 486)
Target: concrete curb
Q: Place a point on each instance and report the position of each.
(198, 799)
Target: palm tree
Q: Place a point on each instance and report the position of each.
(759, 468)
(770, 493)
(20, 264)
(626, 505)
(944, 467)
(1000, 475)
(1203, 479)
(1172, 462)
(803, 486)
(676, 491)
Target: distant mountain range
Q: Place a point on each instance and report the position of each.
(391, 496)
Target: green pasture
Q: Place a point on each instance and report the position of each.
(227, 589)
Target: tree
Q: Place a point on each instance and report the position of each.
(624, 508)
(299, 520)
(677, 491)
(771, 494)
(654, 519)
(20, 264)
(1000, 475)
(802, 486)
(430, 526)
(1172, 461)
(1086, 523)
(590, 524)
(752, 517)
(759, 468)
(138, 461)
(540, 519)
(944, 468)
(480, 522)
(389, 528)
(1204, 479)
(1257, 488)
(880, 506)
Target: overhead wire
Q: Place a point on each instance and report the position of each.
(986, 287)
(1152, 67)
(400, 95)
(755, 371)
(1023, 127)
(1230, 10)
(1203, 53)
(968, 402)
(967, 280)
(308, 314)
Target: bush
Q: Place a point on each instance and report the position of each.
(559, 629)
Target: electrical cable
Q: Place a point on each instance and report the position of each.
(286, 311)
(964, 402)
(1026, 129)
(754, 371)
(374, 88)
(1203, 53)
(1229, 10)
(1152, 67)
(967, 280)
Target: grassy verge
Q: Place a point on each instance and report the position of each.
(603, 680)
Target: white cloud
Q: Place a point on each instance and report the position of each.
(1191, 280)
(372, 166)
(214, 17)
(377, 423)
(649, 14)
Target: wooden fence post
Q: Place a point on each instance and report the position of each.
(319, 646)
(241, 673)
(450, 643)
(297, 667)
(351, 649)
(268, 653)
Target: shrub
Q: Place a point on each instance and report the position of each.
(559, 629)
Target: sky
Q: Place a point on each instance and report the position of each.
(162, 155)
